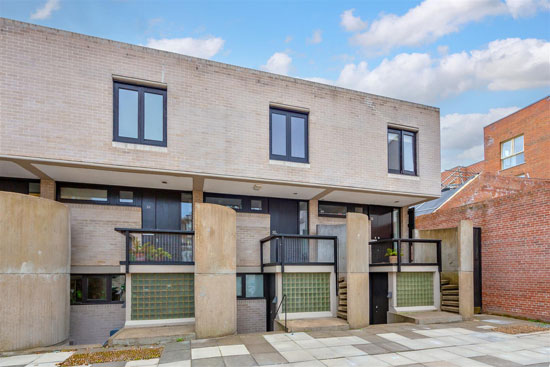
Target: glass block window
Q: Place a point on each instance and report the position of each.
(162, 296)
(415, 289)
(307, 292)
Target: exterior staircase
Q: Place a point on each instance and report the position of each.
(449, 296)
(342, 298)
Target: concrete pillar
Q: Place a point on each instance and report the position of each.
(47, 188)
(198, 197)
(466, 269)
(215, 271)
(357, 261)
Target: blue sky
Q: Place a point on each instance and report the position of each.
(478, 60)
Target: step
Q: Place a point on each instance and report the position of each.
(343, 284)
(342, 315)
(449, 287)
(450, 292)
(449, 309)
(445, 281)
(343, 309)
(343, 291)
(343, 303)
(450, 303)
(449, 298)
(343, 296)
(342, 279)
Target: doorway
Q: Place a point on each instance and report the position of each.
(161, 209)
(378, 287)
(477, 270)
(270, 300)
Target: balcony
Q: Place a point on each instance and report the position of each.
(293, 249)
(157, 247)
(407, 251)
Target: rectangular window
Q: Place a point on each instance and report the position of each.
(511, 152)
(126, 197)
(247, 204)
(288, 135)
(34, 189)
(333, 210)
(83, 194)
(139, 114)
(97, 288)
(187, 211)
(303, 207)
(250, 286)
(401, 152)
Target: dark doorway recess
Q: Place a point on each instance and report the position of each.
(378, 298)
(161, 209)
(285, 219)
(270, 299)
(477, 269)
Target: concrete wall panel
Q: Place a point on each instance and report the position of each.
(34, 271)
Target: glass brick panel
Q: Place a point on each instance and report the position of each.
(415, 289)
(162, 296)
(307, 292)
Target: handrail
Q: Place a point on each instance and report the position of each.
(153, 230)
(306, 236)
(279, 307)
(411, 240)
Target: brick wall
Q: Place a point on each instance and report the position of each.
(515, 232)
(534, 123)
(93, 237)
(251, 228)
(59, 86)
(251, 316)
(91, 324)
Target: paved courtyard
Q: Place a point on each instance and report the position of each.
(467, 344)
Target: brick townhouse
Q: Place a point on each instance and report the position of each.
(136, 143)
(509, 203)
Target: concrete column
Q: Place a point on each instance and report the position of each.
(215, 271)
(357, 261)
(47, 188)
(198, 197)
(466, 269)
(313, 216)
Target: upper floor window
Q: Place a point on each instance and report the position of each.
(288, 136)
(511, 152)
(139, 114)
(402, 152)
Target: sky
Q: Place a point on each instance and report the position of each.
(477, 60)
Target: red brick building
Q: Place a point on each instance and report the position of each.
(512, 212)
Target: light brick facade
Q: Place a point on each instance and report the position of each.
(91, 324)
(251, 316)
(251, 228)
(59, 86)
(94, 241)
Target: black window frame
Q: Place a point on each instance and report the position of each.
(243, 285)
(113, 194)
(108, 291)
(141, 90)
(401, 170)
(350, 208)
(289, 114)
(245, 201)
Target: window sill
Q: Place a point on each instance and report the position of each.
(289, 164)
(132, 146)
(407, 177)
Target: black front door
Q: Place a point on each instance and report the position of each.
(271, 300)
(378, 298)
(477, 268)
(161, 209)
(381, 228)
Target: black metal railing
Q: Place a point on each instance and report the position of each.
(157, 247)
(405, 251)
(296, 249)
(283, 300)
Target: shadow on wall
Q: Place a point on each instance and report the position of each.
(34, 272)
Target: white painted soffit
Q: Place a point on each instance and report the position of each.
(260, 189)
(117, 178)
(372, 198)
(11, 169)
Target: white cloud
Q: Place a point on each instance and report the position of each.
(205, 48)
(350, 22)
(508, 64)
(433, 19)
(46, 11)
(462, 135)
(316, 37)
(278, 63)
(526, 8)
